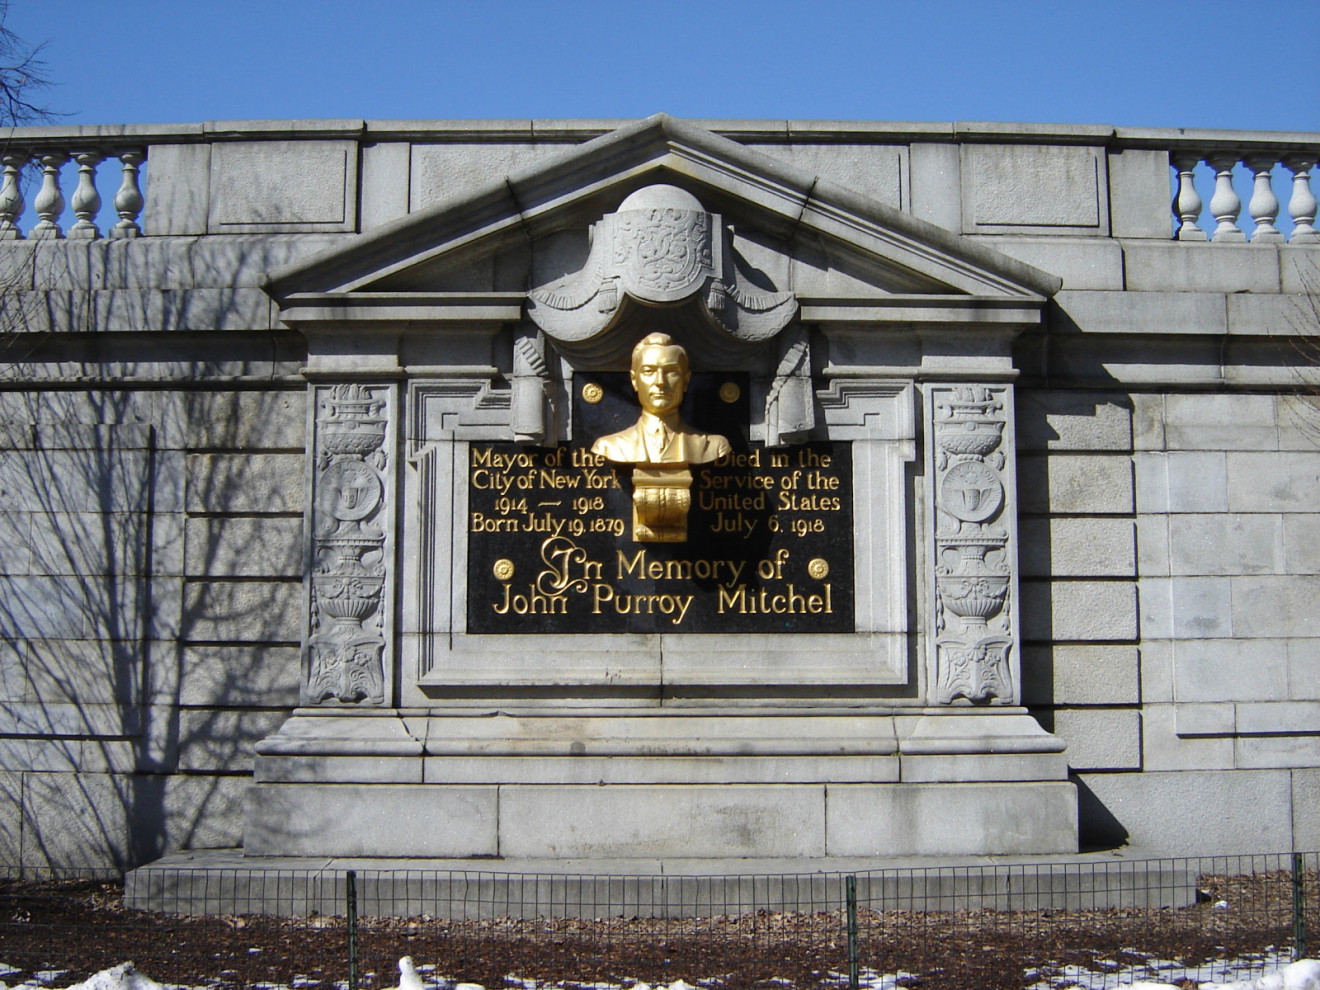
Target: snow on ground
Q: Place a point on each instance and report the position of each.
(1301, 975)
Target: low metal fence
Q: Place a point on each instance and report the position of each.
(1043, 925)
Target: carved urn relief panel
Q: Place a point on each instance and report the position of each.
(347, 653)
(970, 483)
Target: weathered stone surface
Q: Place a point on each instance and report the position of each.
(937, 183)
(308, 819)
(1211, 670)
(662, 820)
(247, 260)
(1081, 674)
(441, 171)
(283, 186)
(203, 812)
(1079, 610)
(385, 182)
(1084, 547)
(1165, 747)
(1182, 267)
(1226, 544)
(1276, 606)
(82, 672)
(221, 740)
(1100, 739)
(1139, 804)
(239, 676)
(1269, 482)
(1306, 808)
(1197, 482)
(1082, 264)
(1124, 312)
(244, 547)
(1062, 420)
(1268, 752)
(1303, 658)
(236, 483)
(1152, 545)
(68, 755)
(242, 612)
(1263, 718)
(950, 819)
(1075, 484)
(1147, 421)
(11, 816)
(78, 820)
(1299, 418)
(1017, 187)
(180, 189)
(871, 169)
(1139, 193)
(235, 420)
(1220, 422)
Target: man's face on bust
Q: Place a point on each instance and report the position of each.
(660, 376)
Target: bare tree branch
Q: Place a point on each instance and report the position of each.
(22, 72)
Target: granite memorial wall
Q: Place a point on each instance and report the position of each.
(960, 507)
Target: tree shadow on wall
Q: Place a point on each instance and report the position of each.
(141, 615)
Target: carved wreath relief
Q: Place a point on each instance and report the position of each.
(973, 575)
(347, 638)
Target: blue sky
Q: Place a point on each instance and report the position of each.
(1159, 63)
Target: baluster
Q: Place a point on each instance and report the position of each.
(86, 200)
(128, 201)
(1302, 205)
(49, 203)
(1225, 204)
(1187, 204)
(11, 197)
(1264, 205)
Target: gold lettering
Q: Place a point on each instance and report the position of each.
(628, 566)
(728, 600)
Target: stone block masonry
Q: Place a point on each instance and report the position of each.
(1058, 572)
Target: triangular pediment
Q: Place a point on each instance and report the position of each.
(483, 250)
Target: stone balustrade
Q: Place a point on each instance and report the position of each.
(338, 176)
(1226, 205)
(50, 201)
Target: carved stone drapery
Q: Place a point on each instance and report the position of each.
(660, 248)
(352, 510)
(532, 414)
(970, 489)
(790, 409)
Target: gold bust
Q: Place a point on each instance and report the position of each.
(660, 377)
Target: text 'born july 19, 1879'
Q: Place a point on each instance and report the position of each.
(769, 545)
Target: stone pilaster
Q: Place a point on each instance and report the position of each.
(348, 646)
(972, 506)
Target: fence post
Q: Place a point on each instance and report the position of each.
(850, 888)
(350, 894)
(1299, 906)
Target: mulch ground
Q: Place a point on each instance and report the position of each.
(80, 927)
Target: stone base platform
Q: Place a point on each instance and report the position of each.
(227, 882)
(663, 785)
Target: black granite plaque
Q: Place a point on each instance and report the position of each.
(770, 535)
